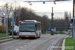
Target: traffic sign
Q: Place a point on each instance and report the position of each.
(70, 26)
(52, 29)
(43, 2)
(12, 19)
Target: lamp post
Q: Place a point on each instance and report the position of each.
(52, 22)
(52, 28)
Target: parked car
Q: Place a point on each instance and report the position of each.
(9, 30)
(14, 32)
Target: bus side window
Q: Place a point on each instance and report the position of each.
(35, 27)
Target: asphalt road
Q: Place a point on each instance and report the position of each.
(45, 42)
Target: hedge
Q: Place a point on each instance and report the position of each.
(2, 29)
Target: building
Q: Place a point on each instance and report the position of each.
(2, 19)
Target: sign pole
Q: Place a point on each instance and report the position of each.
(12, 26)
(7, 27)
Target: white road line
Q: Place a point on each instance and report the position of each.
(40, 43)
(17, 49)
(10, 46)
(54, 43)
(50, 47)
(25, 45)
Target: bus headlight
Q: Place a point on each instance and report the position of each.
(19, 33)
(33, 33)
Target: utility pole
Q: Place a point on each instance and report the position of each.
(73, 34)
(7, 19)
(52, 29)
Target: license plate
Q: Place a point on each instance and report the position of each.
(26, 36)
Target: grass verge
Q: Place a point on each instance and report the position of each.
(3, 34)
(16, 37)
(69, 43)
(60, 32)
(4, 38)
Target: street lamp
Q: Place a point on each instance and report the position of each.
(52, 29)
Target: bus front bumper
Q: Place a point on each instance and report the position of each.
(20, 36)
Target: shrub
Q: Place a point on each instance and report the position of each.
(2, 29)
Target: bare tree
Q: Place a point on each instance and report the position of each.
(8, 10)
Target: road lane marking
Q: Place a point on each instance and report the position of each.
(25, 45)
(21, 47)
(17, 49)
(50, 47)
(8, 48)
(20, 43)
(38, 44)
(42, 43)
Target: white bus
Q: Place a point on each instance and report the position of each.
(29, 28)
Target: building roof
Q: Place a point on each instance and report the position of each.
(1, 15)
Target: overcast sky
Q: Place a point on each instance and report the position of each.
(45, 9)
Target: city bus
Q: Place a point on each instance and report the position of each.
(29, 28)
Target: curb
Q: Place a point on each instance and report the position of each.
(6, 40)
(63, 44)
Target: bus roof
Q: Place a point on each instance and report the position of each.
(32, 21)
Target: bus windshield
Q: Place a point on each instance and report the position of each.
(26, 28)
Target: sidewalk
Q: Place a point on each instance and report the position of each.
(8, 36)
(5, 37)
(8, 39)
